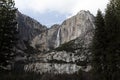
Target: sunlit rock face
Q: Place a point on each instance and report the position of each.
(61, 56)
(76, 26)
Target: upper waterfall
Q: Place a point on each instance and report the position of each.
(58, 38)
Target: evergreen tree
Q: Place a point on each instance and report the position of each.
(112, 22)
(8, 31)
(98, 47)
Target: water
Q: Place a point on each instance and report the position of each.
(58, 38)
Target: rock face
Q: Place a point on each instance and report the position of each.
(70, 29)
(76, 26)
(64, 48)
(46, 40)
(28, 29)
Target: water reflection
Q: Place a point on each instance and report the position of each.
(52, 68)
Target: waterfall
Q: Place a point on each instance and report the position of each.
(58, 38)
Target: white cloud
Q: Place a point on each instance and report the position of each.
(91, 5)
(61, 6)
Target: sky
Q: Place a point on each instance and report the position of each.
(49, 12)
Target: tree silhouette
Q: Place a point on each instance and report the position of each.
(8, 31)
(112, 22)
(98, 47)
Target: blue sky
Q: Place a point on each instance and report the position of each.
(48, 18)
(49, 12)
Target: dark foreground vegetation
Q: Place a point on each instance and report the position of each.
(46, 76)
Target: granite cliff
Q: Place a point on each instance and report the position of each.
(70, 29)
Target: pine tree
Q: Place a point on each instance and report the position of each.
(112, 51)
(98, 47)
(8, 31)
(106, 44)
